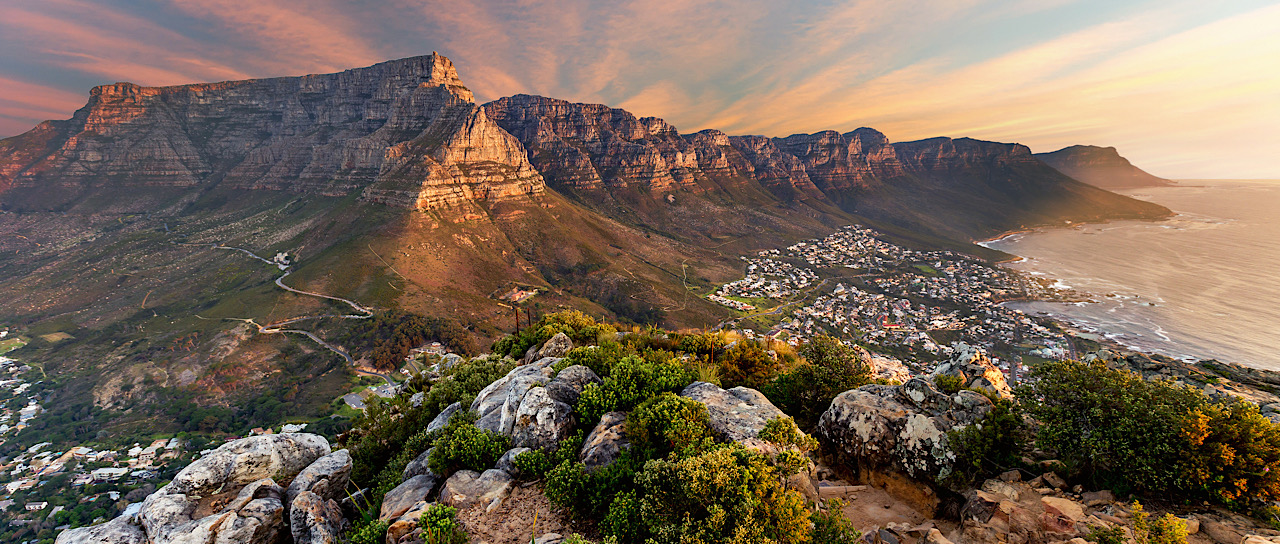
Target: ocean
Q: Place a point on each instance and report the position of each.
(1204, 284)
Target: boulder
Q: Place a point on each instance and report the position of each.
(334, 470)
(1220, 532)
(466, 488)
(240, 462)
(1066, 507)
(404, 496)
(541, 422)
(1052, 479)
(557, 346)
(934, 537)
(884, 368)
(736, 415)
(507, 463)
(442, 419)
(496, 405)
(975, 369)
(1098, 498)
(314, 519)
(606, 442)
(116, 531)
(901, 428)
(569, 383)
(418, 466)
(255, 516)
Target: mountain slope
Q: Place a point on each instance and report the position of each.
(1100, 166)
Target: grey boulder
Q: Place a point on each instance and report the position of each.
(239, 462)
(418, 466)
(606, 442)
(327, 476)
(507, 463)
(314, 519)
(541, 422)
(442, 419)
(496, 405)
(404, 496)
(466, 488)
(116, 531)
(736, 415)
(569, 383)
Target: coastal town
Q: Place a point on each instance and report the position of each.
(919, 306)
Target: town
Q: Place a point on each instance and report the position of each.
(919, 306)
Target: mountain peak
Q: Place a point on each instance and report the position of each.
(1100, 166)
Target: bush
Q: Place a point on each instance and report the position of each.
(631, 381)
(1111, 426)
(729, 494)
(667, 423)
(988, 447)
(440, 526)
(368, 532)
(830, 526)
(534, 464)
(599, 358)
(1234, 454)
(747, 364)
(830, 368)
(462, 445)
(1167, 529)
(784, 432)
(948, 384)
(579, 327)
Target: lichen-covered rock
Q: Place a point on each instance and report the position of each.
(256, 516)
(404, 496)
(442, 419)
(736, 415)
(418, 466)
(239, 462)
(466, 488)
(975, 369)
(557, 346)
(496, 405)
(901, 428)
(541, 421)
(116, 531)
(569, 383)
(606, 442)
(507, 463)
(334, 470)
(315, 520)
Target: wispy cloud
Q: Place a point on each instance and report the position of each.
(1176, 84)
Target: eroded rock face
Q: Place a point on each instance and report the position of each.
(405, 132)
(497, 404)
(466, 487)
(327, 477)
(399, 500)
(606, 442)
(315, 520)
(569, 383)
(116, 531)
(736, 415)
(256, 515)
(975, 369)
(902, 428)
(541, 422)
(240, 462)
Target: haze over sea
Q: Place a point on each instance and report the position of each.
(1204, 284)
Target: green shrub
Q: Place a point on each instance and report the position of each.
(368, 532)
(784, 432)
(707, 344)
(1167, 529)
(747, 364)
(1107, 535)
(579, 327)
(599, 358)
(830, 368)
(566, 485)
(535, 464)
(440, 526)
(948, 384)
(1111, 426)
(631, 381)
(830, 526)
(988, 447)
(729, 494)
(462, 445)
(1234, 454)
(666, 423)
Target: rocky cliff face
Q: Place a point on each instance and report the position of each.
(404, 132)
(1100, 166)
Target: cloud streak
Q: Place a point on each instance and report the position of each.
(1182, 87)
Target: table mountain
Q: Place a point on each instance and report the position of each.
(1100, 166)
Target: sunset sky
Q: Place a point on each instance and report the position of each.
(1185, 89)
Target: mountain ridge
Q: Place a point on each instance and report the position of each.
(1100, 166)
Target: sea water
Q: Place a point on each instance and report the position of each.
(1203, 284)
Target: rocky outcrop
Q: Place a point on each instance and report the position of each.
(497, 405)
(606, 442)
(404, 496)
(569, 383)
(1101, 167)
(899, 428)
(233, 495)
(975, 370)
(404, 132)
(541, 422)
(736, 415)
(467, 487)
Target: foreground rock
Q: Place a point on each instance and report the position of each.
(414, 490)
(496, 405)
(899, 428)
(606, 442)
(234, 495)
(541, 422)
(738, 414)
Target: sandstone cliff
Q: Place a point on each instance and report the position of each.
(1100, 166)
(404, 133)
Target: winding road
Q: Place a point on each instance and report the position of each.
(276, 327)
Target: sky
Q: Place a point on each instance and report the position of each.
(1184, 89)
